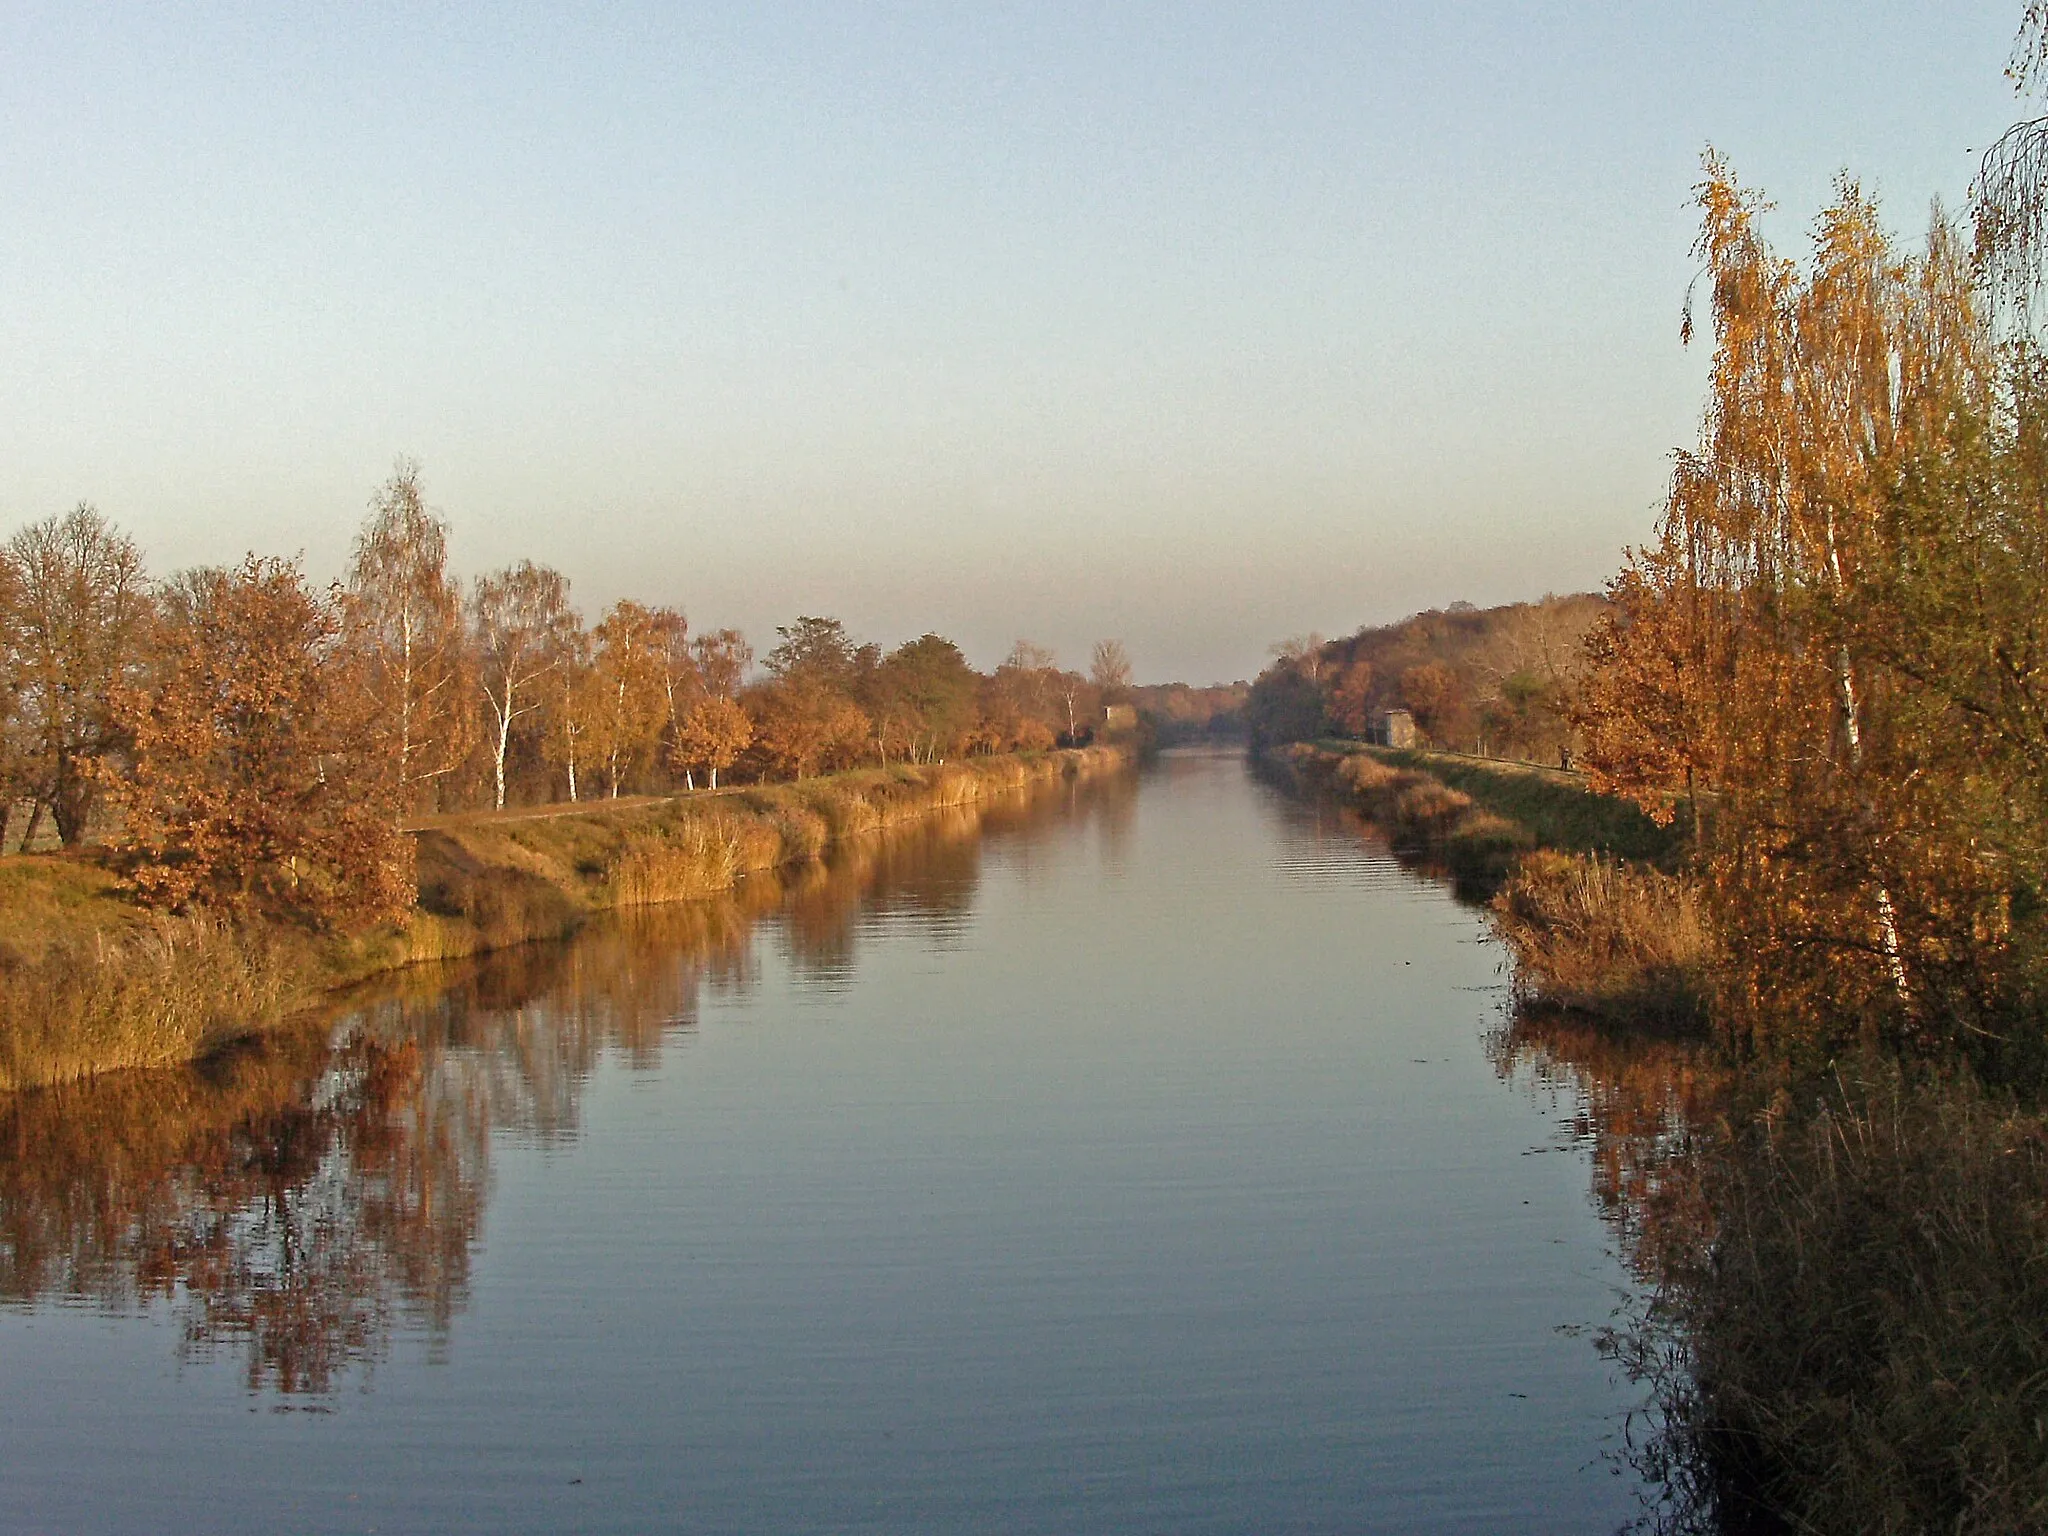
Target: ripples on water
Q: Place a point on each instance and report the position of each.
(1130, 1160)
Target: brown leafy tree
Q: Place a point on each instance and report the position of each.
(14, 781)
(1756, 653)
(1437, 697)
(575, 704)
(713, 733)
(722, 659)
(81, 608)
(1350, 698)
(801, 724)
(259, 784)
(923, 698)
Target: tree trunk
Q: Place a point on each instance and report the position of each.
(35, 824)
(504, 737)
(1887, 913)
(405, 698)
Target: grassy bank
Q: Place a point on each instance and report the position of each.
(1584, 889)
(91, 982)
(1554, 808)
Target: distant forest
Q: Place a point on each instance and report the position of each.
(1500, 681)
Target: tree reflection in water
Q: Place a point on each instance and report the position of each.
(307, 1195)
(1648, 1110)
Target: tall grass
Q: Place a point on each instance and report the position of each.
(1556, 809)
(1422, 817)
(1868, 1330)
(1598, 936)
(90, 982)
(488, 882)
(151, 993)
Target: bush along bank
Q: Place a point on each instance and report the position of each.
(489, 882)
(1584, 889)
(92, 982)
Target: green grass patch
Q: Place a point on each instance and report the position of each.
(1556, 809)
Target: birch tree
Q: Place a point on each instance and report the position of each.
(722, 659)
(405, 615)
(519, 621)
(575, 704)
(632, 672)
(713, 734)
(1750, 635)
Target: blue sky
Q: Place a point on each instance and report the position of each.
(1196, 325)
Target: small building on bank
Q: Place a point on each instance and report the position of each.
(1392, 728)
(1119, 717)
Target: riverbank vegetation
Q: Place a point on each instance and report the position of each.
(1827, 672)
(1836, 639)
(228, 765)
(92, 980)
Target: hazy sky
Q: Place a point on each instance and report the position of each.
(1193, 324)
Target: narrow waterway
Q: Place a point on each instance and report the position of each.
(1128, 1162)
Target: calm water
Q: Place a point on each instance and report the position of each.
(1130, 1162)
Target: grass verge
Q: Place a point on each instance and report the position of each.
(1583, 888)
(91, 982)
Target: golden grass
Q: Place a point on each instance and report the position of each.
(1868, 1330)
(91, 982)
(1597, 936)
(142, 990)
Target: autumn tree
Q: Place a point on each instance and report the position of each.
(820, 651)
(927, 688)
(259, 784)
(1349, 702)
(722, 659)
(404, 614)
(681, 681)
(1024, 701)
(1848, 474)
(519, 618)
(1437, 697)
(81, 608)
(712, 734)
(801, 724)
(13, 754)
(1303, 653)
(573, 705)
(631, 667)
(1109, 669)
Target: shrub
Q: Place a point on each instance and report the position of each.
(1606, 938)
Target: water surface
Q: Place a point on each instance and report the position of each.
(1132, 1161)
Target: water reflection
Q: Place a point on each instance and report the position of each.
(1645, 1108)
(293, 1199)
(1639, 1103)
(302, 1199)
